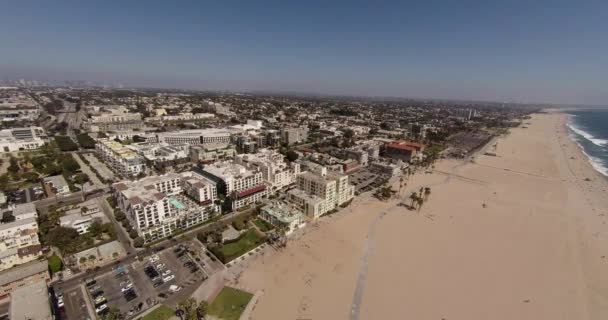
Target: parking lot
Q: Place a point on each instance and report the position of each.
(33, 193)
(74, 304)
(169, 275)
(364, 180)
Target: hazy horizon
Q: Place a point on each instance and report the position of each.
(541, 52)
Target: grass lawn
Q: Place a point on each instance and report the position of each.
(263, 225)
(229, 303)
(161, 313)
(246, 242)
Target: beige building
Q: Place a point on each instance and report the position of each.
(124, 160)
(35, 271)
(276, 172)
(19, 243)
(320, 191)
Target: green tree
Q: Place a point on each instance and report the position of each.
(62, 238)
(202, 309)
(95, 229)
(291, 155)
(30, 177)
(80, 178)
(14, 165)
(133, 233)
(55, 263)
(189, 307)
(138, 242)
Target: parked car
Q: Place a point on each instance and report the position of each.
(169, 278)
(101, 308)
(166, 273)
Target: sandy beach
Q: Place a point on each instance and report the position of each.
(522, 235)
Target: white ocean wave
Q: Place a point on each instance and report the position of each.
(595, 162)
(588, 136)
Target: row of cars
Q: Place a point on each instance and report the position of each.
(157, 271)
(99, 300)
(180, 252)
(97, 294)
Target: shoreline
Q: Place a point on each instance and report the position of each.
(568, 123)
(528, 215)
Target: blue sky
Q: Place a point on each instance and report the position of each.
(509, 50)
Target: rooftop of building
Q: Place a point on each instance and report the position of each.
(406, 145)
(17, 223)
(307, 197)
(228, 169)
(23, 271)
(24, 208)
(105, 250)
(57, 181)
(144, 190)
(73, 218)
(31, 302)
(282, 211)
(200, 132)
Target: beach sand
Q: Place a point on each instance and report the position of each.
(521, 235)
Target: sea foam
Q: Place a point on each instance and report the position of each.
(588, 136)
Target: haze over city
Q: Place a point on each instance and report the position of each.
(523, 51)
(300, 160)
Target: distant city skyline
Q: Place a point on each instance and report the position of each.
(520, 51)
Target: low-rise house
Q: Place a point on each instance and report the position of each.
(282, 216)
(76, 221)
(99, 255)
(57, 185)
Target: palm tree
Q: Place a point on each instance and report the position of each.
(427, 193)
(201, 311)
(189, 308)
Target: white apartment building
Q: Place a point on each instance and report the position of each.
(241, 185)
(211, 153)
(19, 242)
(124, 160)
(17, 139)
(319, 192)
(17, 111)
(77, 221)
(187, 116)
(156, 207)
(112, 118)
(294, 135)
(197, 137)
(198, 187)
(276, 172)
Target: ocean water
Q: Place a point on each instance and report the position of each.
(589, 129)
